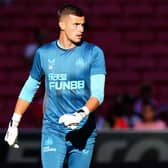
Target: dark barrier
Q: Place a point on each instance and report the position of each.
(113, 149)
(131, 146)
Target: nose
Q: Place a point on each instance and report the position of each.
(81, 28)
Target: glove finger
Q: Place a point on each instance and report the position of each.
(63, 119)
(16, 146)
(10, 141)
(6, 138)
(72, 126)
(69, 123)
(60, 121)
(11, 137)
(7, 135)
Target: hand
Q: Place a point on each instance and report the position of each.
(72, 120)
(12, 132)
(11, 136)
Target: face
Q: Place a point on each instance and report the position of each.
(73, 27)
(148, 113)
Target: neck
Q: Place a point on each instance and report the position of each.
(64, 42)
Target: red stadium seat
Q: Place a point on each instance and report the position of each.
(133, 35)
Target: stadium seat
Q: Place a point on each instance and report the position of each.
(133, 35)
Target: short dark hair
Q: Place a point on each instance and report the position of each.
(69, 9)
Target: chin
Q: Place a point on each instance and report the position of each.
(77, 41)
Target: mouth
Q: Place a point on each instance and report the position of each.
(79, 36)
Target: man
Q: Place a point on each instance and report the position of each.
(74, 73)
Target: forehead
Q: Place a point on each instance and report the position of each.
(74, 18)
(148, 107)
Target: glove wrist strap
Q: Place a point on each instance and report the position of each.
(86, 110)
(16, 119)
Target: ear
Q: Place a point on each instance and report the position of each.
(61, 25)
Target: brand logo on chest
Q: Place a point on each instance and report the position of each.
(51, 64)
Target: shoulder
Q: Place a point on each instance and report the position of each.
(47, 46)
(95, 49)
(91, 45)
(161, 123)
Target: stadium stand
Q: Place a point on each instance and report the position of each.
(132, 33)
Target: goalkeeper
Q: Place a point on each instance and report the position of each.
(74, 73)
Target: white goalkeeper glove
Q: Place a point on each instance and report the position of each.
(12, 132)
(72, 120)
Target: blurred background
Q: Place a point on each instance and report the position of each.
(132, 122)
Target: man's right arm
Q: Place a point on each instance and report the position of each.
(25, 98)
(21, 106)
(26, 95)
(12, 132)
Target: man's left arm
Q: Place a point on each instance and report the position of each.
(97, 92)
(96, 98)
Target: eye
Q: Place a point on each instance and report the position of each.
(76, 24)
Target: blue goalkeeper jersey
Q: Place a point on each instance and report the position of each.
(67, 79)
